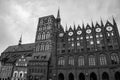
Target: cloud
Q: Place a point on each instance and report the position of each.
(21, 16)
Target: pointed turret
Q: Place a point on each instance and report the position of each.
(74, 26)
(66, 28)
(83, 27)
(92, 24)
(102, 23)
(114, 22)
(58, 16)
(20, 41)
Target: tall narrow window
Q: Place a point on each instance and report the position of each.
(92, 60)
(114, 58)
(43, 35)
(15, 74)
(103, 60)
(81, 61)
(61, 61)
(37, 48)
(47, 35)
(71, 61)
(42, 47)
(47, 46)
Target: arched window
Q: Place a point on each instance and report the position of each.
(42, 47)
(61, 76)
(114, 58)
(39, 36)
(81, 61)
(15, 74)
(81, 76)
(21, 74)
(37, 47)
(71, 76)
(71, 61)
(92, 60)
(43, 35)
(93, 76)
(47, 46)
(47, 35)
(61, 61)
(117, 75)
(103, 60)
(105, 76)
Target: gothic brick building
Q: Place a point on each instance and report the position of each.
(86, 52)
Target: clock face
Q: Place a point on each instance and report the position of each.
(79, 32)
(109, 28)
(98, 29)
(88, 31)
(70, 33)
(61, 35)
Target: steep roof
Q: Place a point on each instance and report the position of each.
(12, 53)
(23, 47)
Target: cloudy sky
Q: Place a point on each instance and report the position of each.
(21, 16)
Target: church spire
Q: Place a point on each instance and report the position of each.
(58, 14)
(114, 21)
(20, 41)
(66, 28)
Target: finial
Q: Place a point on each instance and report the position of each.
(66, 28)
(74, 25)
(92, 23)
(20, 41)
(83, 25)
(58, 14)
(114, 22)
(101, 22)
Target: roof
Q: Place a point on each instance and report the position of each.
(22, 47)
(12, 53)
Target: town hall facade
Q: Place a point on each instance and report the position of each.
(82, 52)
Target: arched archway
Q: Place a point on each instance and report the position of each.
(117, 75)
(81, 76)
(105, 76)
(60, 76)
(93, 76)
(71, 76)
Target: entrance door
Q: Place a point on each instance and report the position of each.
(117, 76)
(105, 76)
(71, 76)
(93, 76)
(60, 76)
(81, 76)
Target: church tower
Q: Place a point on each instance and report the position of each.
(44, 48)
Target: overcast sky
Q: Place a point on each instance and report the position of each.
(21, 16)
